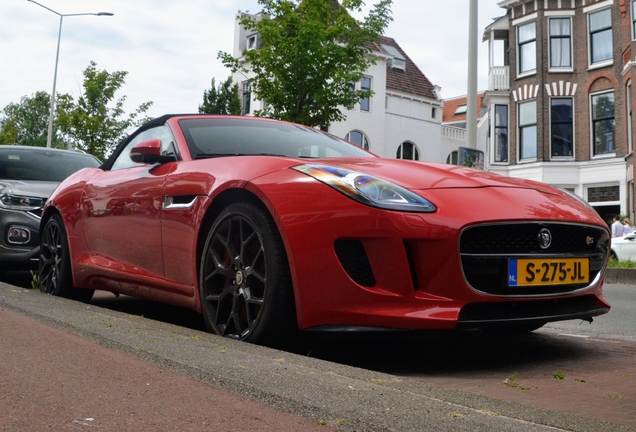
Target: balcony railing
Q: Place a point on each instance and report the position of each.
(453, 133)
(499, 78)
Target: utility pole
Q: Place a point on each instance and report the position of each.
(471, 113)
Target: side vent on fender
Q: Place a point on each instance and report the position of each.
(412, 268)
(354, 260)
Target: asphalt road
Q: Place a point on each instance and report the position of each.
(620, 323)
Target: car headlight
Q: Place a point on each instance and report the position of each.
(18, 202)
(368, 189)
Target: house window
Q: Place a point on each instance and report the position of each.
(365, 85)
(501, 133)
(634, 19)
(398, 61)
(252, 42)
(527, 36)
(358, 138)
(407, 150)
(247, 97)
(434, 112)
(461, 109)
(630, 133)
(603, 123)
(528, 130)
(600, 25)
(352, 90)
(560, 43)
(452, 158)
(561, 127)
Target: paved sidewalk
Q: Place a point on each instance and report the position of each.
(55, 380)
(71, 366)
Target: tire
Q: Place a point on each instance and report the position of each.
(54, 271)
(245, 284)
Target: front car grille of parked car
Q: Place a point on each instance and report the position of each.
(36, 213)
(486, 249)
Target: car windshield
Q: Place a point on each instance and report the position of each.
(41, 165)
(217, 137)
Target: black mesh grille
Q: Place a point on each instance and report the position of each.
(523, 239)
(485, 251)
(37, 213)
(354, 260)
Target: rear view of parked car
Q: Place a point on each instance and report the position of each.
(624, 247)
(28, 175)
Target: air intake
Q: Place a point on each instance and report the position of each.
(354, 260)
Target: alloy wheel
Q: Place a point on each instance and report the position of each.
(50, 258)
(234, 277)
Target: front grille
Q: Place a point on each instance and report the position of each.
(37, 213)
(354, 260)
(485, 250)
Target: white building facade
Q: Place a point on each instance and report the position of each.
(401, 120)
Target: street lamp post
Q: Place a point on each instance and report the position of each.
(49, 136)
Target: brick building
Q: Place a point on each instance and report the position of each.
(560, 97)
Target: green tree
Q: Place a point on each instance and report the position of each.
(310, 51)
(90, 123)
(223, 99)
(26, 122)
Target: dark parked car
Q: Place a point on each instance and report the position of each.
(28, 175)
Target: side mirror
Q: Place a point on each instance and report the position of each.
(149, 152)
(630, 237)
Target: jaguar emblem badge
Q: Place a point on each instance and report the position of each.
(545, 238)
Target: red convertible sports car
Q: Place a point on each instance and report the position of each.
(268, 227)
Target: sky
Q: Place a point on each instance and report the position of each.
(169, 47)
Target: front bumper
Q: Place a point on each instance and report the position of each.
(15, 253)
(356, 266)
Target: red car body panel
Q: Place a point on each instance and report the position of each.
(123, 239)
(312, 225)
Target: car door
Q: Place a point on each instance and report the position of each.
(123, 210)
(625, 247)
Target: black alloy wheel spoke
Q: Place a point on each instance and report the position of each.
(51, 258)
(234, 250)
(235, 315)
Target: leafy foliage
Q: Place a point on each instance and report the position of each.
(27, 122)
(223, 99)
(90, 123)
(309, 54)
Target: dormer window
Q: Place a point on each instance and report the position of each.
(398, 61)
(461, 109)
(252, 41)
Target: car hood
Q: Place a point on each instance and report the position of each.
(40, 189)
(422, 175)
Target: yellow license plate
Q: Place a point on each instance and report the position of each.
(549, 271)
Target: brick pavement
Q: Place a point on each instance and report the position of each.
(156, 394)
(54, 380)
(600, 384)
